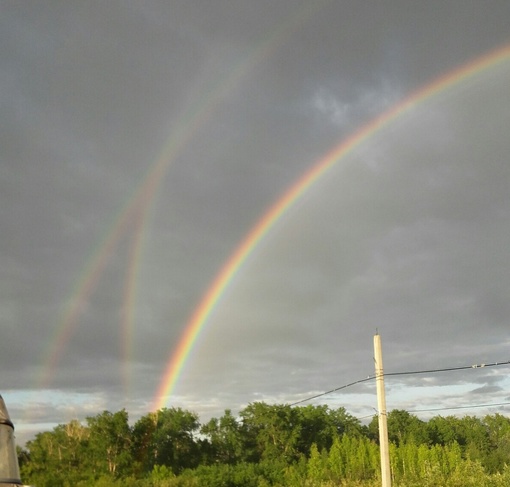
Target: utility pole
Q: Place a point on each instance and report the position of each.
(381, 407)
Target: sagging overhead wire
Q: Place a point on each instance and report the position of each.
(394, 374)
(447, 369)
(333, 390)
(472, 406)
(444, 408)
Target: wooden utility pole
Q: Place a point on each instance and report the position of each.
(381, 407)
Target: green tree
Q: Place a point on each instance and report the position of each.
(321, 425)
(271, 431)
(344, 423)
(404, 427)
(476, 437)
(498, 451)
(110, 442)
(224, 439)
(57, 457)
(316, 466)
(315, 428)
(44, 457)
(144, 448)
(444, 431)
(171, 439)
(337, 460)
(360, 457)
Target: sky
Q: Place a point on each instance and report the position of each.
(142, 142)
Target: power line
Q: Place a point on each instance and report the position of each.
(366, 379)
(394, 374)
(448, 369)
(473, 406)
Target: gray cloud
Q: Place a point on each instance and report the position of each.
(407, 234)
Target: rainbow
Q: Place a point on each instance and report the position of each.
(129, 217)
(215, 292)
(134, 214)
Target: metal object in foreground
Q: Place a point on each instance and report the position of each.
(9, 468)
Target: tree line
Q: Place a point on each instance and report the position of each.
(267, 445)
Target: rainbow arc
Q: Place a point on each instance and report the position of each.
(259, 231)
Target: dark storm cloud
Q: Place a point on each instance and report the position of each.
(412, 243)
(409, 236)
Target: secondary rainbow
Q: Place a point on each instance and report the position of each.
(210, 300)
(135, 213)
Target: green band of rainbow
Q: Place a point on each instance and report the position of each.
(210, 300)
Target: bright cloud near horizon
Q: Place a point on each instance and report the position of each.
(225, 106)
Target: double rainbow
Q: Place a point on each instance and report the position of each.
(131, 221)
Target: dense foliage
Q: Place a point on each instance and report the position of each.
(267, 445)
